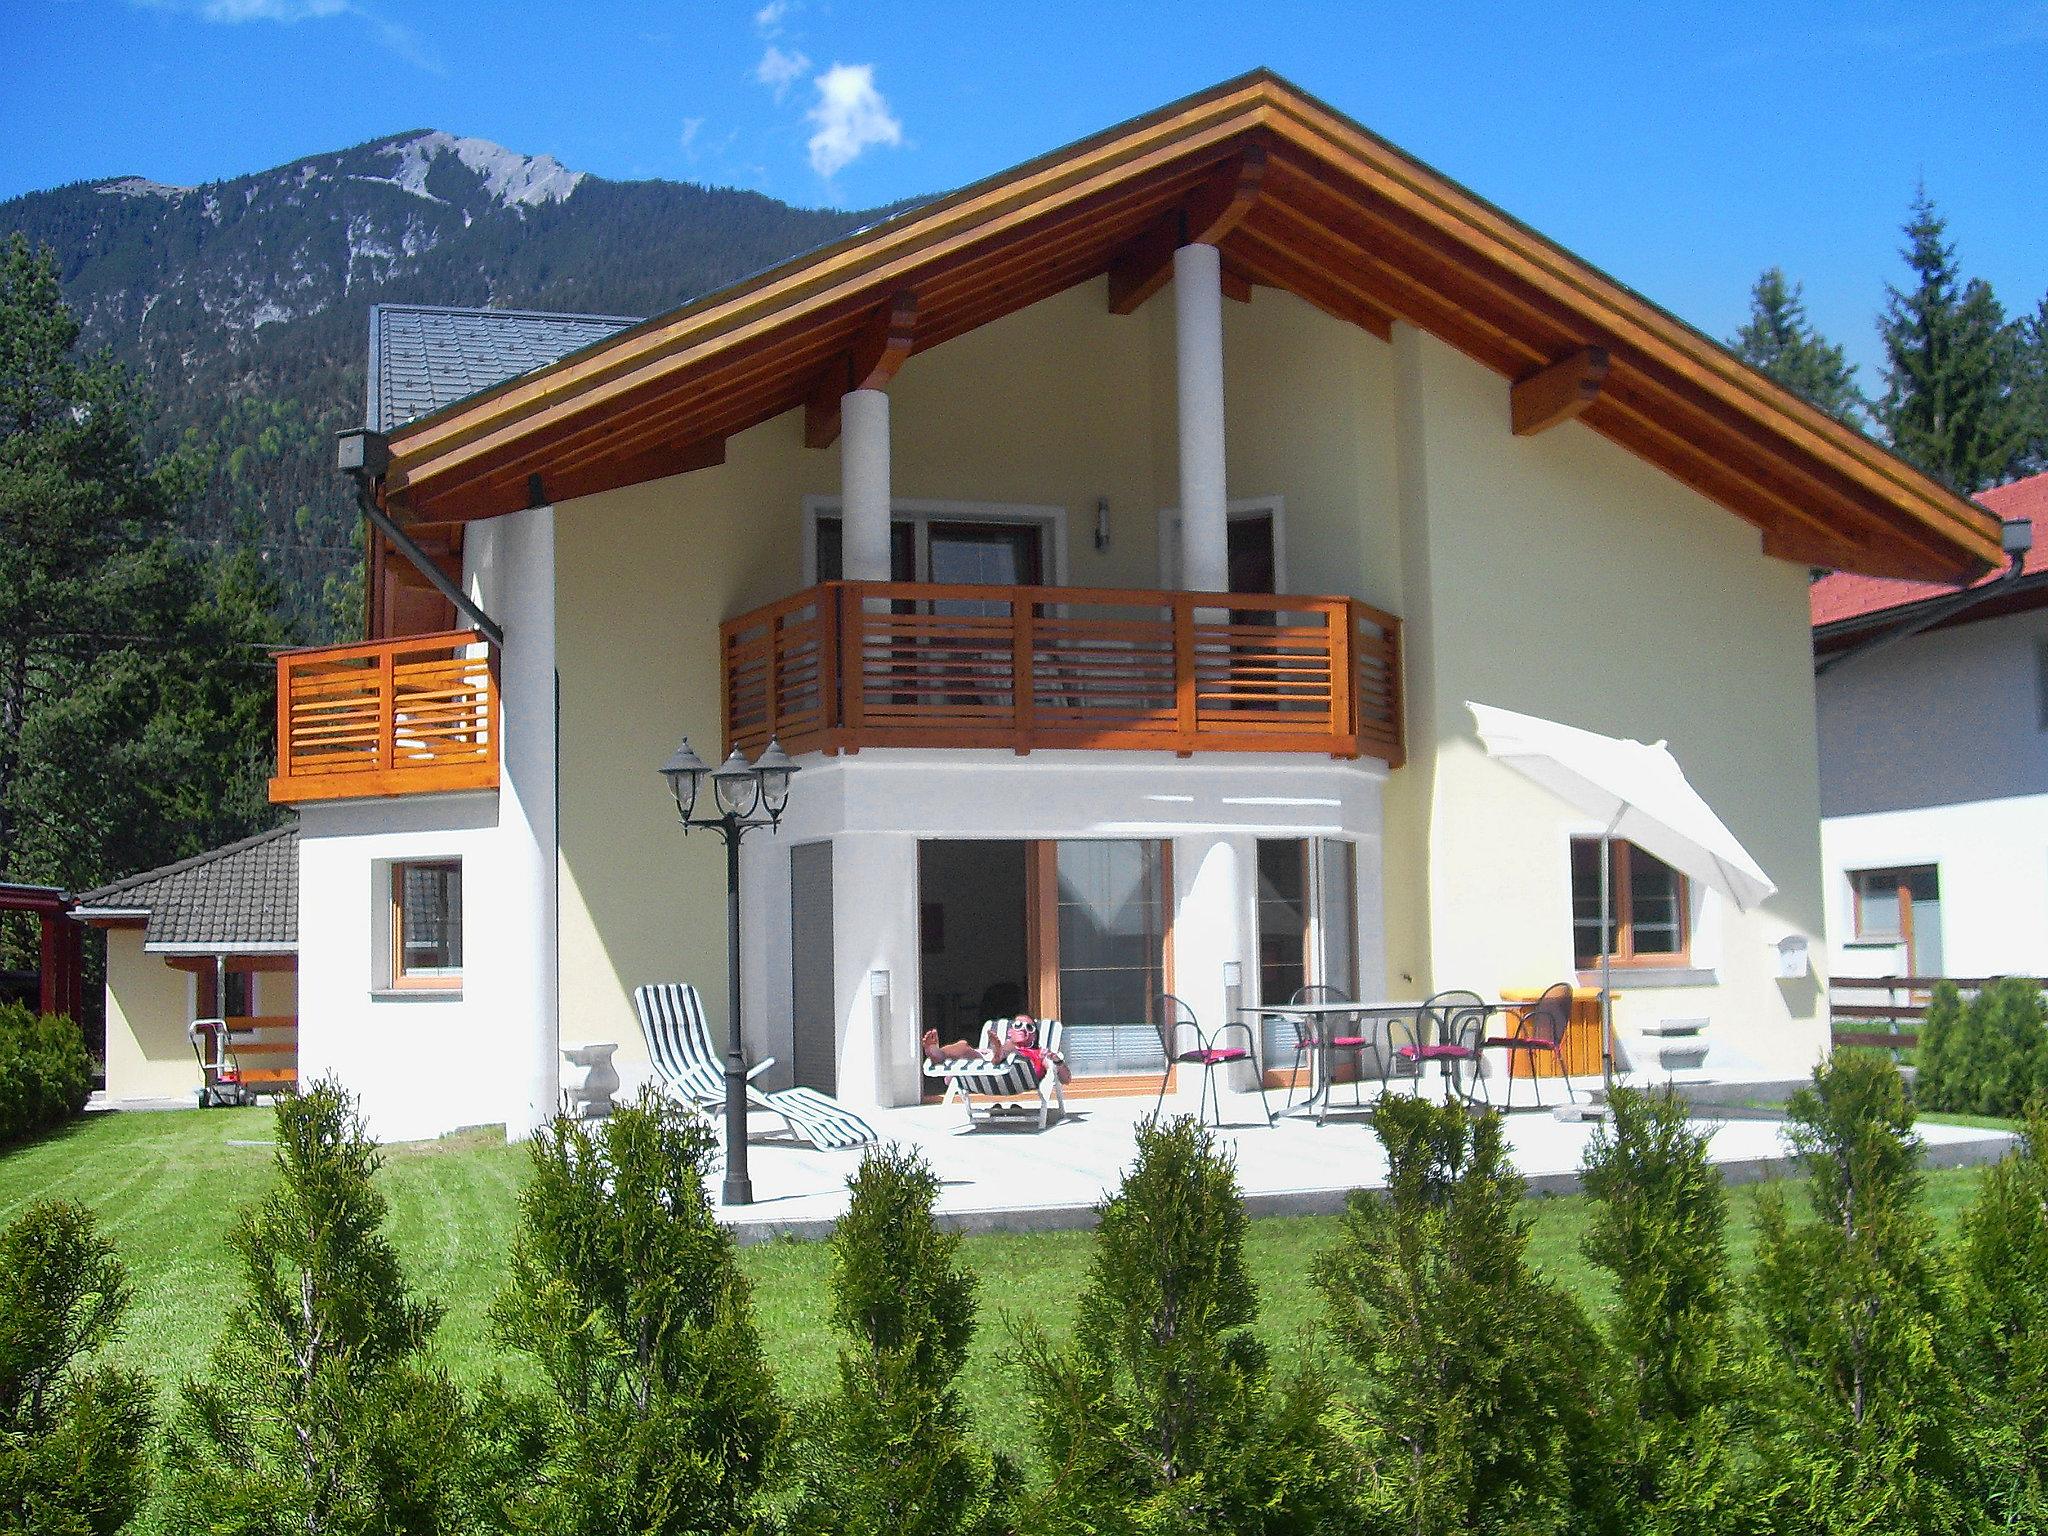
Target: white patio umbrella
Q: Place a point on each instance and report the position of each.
(1637, 793)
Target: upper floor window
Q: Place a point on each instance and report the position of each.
(1901, 906)
(426, 923)
(1650, 904)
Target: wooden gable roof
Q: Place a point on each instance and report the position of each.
(1297, 197)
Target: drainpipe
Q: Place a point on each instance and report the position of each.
(2015, 538)
(363, 457)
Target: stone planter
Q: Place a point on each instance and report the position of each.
(588, 1081)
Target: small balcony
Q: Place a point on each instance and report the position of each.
(416, 715)
(845, 665)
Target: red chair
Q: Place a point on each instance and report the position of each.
(1181, 1037)
(1536, 1031)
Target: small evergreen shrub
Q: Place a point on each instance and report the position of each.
(45, 1072)
(659, 1416)
(73, 1436)
(1986, 1056)
(1869, 1427)
(893, 1451)
(2003, 1263)
(1677, 1377)
(1159, 1414)
(320, 1413)
(1476, 1374)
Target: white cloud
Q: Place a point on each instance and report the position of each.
(692, 126)
(272, 10)
(769, 18)
(394, 36)
(850, 117)
(779, 71)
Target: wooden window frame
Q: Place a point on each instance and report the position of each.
(403, 980)
(1041, 938)
(1625, 955)
(1902, 893)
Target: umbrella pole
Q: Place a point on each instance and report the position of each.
(1607, 958)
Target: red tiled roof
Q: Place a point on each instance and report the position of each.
(1844, 595)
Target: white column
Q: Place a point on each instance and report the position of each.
(864, 481)
(1198, 354)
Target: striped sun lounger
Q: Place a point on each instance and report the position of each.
(1006, 1082)
(679, 1045)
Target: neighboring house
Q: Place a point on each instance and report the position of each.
(951, 508)
(1934, 764)
(209, 937)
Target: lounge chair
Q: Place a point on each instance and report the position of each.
(1005, 1082)
(679, 1045)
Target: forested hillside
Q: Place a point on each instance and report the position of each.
(243, 304)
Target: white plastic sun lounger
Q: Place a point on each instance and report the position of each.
(1007, 1082)
(679, 1045)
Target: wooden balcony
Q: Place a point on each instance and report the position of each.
(845, 665)
(418, 715)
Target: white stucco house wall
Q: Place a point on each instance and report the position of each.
(1115, 544)
(1934, 766)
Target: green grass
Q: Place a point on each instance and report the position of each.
(166, 1187)
(1976, 1122)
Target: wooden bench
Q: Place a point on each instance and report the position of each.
(265, 1050)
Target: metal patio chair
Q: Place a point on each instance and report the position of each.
(1182, 1038)
(1447, 1030)
(1536, 1030)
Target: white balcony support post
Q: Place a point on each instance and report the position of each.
(1198, 354)
(864, 481)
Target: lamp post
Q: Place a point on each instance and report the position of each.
(739, 790)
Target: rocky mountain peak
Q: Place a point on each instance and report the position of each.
(509, 178)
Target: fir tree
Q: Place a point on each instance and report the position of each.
(2032, 395)
(1476, 1373)
(893, 1451)
(2004, 1277)
(1952, 365)
(1780, 341)
(320, 1414)
(1659, 1228)
(659, 1416)
(73, 1436)
(1870, 1425)
(1159, 1414)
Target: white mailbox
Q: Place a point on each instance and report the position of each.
(1793, 961)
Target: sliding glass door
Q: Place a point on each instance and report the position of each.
(1102, 946)
(1307, 927)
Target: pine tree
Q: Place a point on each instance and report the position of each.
(1952, 365)
(73, 1436)
(1476, 1372)
(1871, 1429)
(2004, 1279)
(892, 1451)
(320, 1414)
(1159, 1414)
(1780, 341)
(2033, 391)
(659, 1416)
(1659, 1228)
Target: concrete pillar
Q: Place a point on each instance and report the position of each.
(1209, 876)
(1198, 356)
(864, 481)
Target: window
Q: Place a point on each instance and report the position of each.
(1903, 907)
(426, 924)
(1307, 928)
(1652, 920)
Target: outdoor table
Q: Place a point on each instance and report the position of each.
(1377, 1010)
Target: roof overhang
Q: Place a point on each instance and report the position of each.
(1296, 197)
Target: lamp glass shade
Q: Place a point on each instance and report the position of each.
(685, 772)
(736, 786)
(775, 767)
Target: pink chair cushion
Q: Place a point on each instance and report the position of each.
(1516, 1043)
(1445, 1052)
(1215, 1056)
(1350, 1042)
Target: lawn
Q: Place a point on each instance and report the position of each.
(166, 1186)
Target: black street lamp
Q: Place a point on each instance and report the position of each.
(738, 790)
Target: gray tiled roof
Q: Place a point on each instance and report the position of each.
(423, 356)
(244, 897)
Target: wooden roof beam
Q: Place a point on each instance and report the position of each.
(882, 348)
(1557, 393)
(494, 498)
(1211, 211)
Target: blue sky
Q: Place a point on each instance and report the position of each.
(1681, 148)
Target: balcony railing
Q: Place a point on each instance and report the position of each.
(394, 717)
(845, 665)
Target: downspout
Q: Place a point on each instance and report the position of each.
(2016, 537)
(363, 457)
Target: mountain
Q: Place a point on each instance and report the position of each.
(243, 304)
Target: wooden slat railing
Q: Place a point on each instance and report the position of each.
(846, 665)
(1893, 1020)
(394, 717)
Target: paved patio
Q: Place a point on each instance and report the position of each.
(1015, 1178)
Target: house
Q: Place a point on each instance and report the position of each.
(1115, 543)
(214, 936)
(1933, 718)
